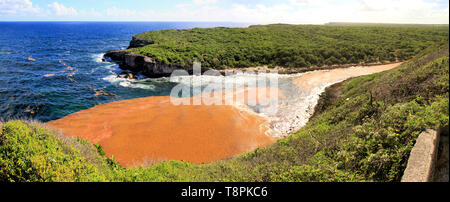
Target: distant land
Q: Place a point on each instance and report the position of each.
(379, 24)
(159, 53)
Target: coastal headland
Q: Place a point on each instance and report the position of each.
(285, 48)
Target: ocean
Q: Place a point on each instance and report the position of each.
(52, 69)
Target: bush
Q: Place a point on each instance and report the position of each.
(289, 45)
(30, 153)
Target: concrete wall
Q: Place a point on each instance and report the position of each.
(421, 163)
(441, 173)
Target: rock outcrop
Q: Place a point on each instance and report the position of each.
(134, 62)
(136, 43)
(127, 76)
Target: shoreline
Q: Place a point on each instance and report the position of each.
(313, 84)
(168, 69)
(152, 129)
(139, 130)
(309, 79)
(139, 63)
(284, 70)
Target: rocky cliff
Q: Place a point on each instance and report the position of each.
(134, 62)
(136, 42)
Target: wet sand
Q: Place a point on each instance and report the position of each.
(152, 129)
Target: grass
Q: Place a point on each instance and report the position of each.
(363, 130)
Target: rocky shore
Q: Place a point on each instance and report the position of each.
(128, 60)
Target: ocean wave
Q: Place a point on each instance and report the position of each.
(294, 109)
(129, 83)
(295, 112)
(98, 57)
(232, 81)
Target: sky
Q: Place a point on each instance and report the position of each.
(246, 11)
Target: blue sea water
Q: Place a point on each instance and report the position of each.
(71, 52)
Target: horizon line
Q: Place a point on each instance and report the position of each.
(251, 23)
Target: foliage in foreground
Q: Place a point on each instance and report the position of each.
(363, 130)
(32, 153)
(289, 45)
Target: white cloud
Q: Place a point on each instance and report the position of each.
(288, 11)
(20, 7)
(61, 10)
(301, 2)
(401, 11)
(367, 5)
(129, 14)
(181, 6)
(195, 4)
(198, 2)
(92, 13)
(321, 11)
(119, 12)
(307, 12)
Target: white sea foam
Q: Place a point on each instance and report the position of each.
(113, 78)
(295, 108)
(98, 57)
(298, 107)
(236, 81)
(129, 83)
(295, 111)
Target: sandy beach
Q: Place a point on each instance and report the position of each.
(152, 129)
(314, 79)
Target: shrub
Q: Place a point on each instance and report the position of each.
(30, 153)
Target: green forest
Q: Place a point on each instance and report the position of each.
(290, 45)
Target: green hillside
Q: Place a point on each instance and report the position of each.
(289, 45)
(363, 130)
